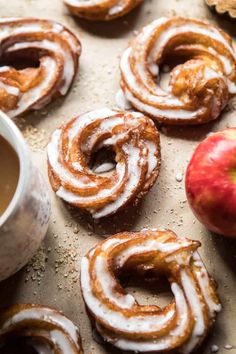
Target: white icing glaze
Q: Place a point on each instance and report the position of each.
(113, 7)
(116, 9)
(68, 69)
(107, 283)
(62, 342)
(88, 118)
(154, 69)
(71, 197)
(185, 294)
(57, 27)
(168, 113)
(232, 87)
(58, 70)
(134, 171)
(163, 342)
(12, 90)
(122, 101)
(53, 156)
(151, 98)
(212, 74)
(112, 242)
(147, 246)
(30, 97)
(43, 314)
(197, 308)
(203, 280)
(4, 69)
(128, 171)
(152, 158)
(65, 336)
(115, 318)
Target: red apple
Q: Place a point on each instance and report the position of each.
(211, 182)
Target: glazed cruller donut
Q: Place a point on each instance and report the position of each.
(39, 62)
(135, 141)
(43, 328)
(199, 89)
(105, 10)
(121, 320)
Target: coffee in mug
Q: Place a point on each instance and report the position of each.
(25, 207)
(9, 173)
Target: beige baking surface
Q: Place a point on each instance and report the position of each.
(52, 277)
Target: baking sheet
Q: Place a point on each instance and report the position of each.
(51, 278)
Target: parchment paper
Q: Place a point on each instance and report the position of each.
(52, 276)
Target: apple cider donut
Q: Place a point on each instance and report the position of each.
(180, 326)
(199, 88)
(38, 62)
(131, 136)
(101, 10)
(41, 327)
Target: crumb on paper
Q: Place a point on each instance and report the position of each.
(35, 137)
(179, 177)
(214, 348)
(228, 346)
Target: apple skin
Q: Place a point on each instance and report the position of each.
(211, 182)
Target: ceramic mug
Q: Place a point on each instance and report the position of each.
(24, 223)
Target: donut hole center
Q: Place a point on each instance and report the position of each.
(21, 60)
(169, 63)
(148, 289)
(26, 346)
(102, 161)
